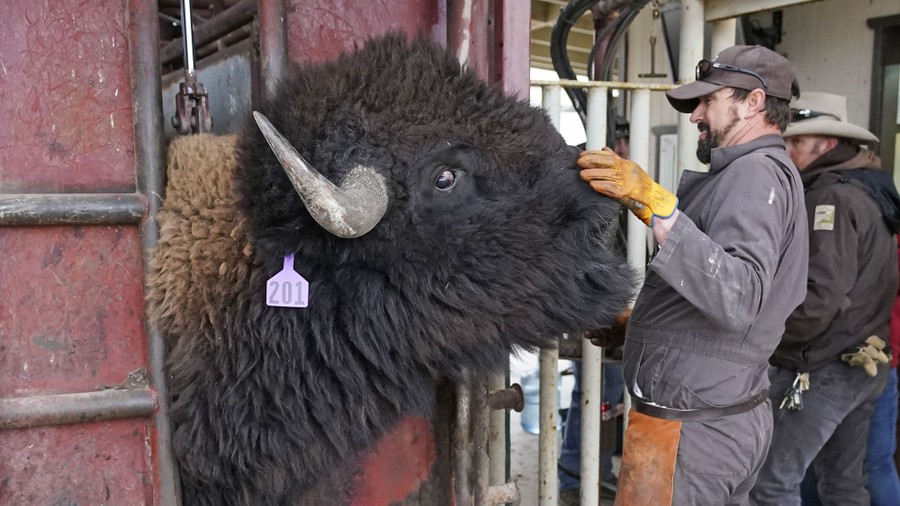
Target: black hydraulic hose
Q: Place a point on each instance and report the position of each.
(568, 16)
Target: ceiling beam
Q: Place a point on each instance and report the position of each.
(716, 10)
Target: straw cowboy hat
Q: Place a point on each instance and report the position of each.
(818, 113)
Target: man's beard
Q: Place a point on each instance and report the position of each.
(714, 137)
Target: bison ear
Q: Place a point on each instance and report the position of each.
(347, 211)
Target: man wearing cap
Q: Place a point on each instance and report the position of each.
(832, 361)
(730, 268)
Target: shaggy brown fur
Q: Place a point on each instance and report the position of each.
(203, 246)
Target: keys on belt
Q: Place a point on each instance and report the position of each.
(793, 397)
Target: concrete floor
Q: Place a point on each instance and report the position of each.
(523, 445)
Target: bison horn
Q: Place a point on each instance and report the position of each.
(347, 211)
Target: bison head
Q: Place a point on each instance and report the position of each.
(441, 226)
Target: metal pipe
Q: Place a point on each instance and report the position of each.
(639, 148)
(690, 52)
(48, 410)
(272, 42)
(616, 85)
(72, 209)
(480, 427)
(233, 17)
(499, 401)
(143, 35)
(462, 445)
(511, 397)
(592, 356)
(187, 28)
(548, 446)
(595, 127)
(591, 399)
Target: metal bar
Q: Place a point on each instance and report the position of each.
(724, 9)
(187, 28)
(690, 52)
(616, 85)
(480, 427)
(595, 129)
(233, 17)
(498, 417)
(48, 410)
(143, 35)
(548, 444)
(506, 398)
(592, 356)
(272, 42)
(591, 392)
(469, 34)
(72, 209)
(639, 149)
(462, 445)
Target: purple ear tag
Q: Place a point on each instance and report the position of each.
(287, 288)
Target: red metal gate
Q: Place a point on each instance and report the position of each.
(81, 387)
(82, 394)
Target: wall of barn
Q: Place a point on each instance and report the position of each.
(831, 45)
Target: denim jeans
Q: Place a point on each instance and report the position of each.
(570, 453)
(829, 433)
(884, 485)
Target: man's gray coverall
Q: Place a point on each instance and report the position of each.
(712, 310)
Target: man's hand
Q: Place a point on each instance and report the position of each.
(612, 337)
(868, 356)
(626, 182)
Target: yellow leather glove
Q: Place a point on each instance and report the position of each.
(626, 182)
(868, 356)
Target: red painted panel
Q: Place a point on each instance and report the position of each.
(71, 309)
(65, 97)
(397, 465)
(100, 463)
(319, 30)
(512, 52)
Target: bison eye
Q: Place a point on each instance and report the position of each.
(445, 180)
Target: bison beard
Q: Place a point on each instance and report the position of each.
(489, 244)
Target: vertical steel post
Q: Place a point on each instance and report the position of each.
(639, 146)
(480, 434)
(591, 356)
(690, 52)
(187, 23)
(548, 446)
(462, 444)
(272, 43)
(497, 443)
(143, 34)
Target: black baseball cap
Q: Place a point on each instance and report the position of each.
(744, 67)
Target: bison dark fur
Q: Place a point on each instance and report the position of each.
(266, 401)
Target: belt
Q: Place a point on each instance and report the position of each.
(700, 413)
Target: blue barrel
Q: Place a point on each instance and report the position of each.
(531, 413)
